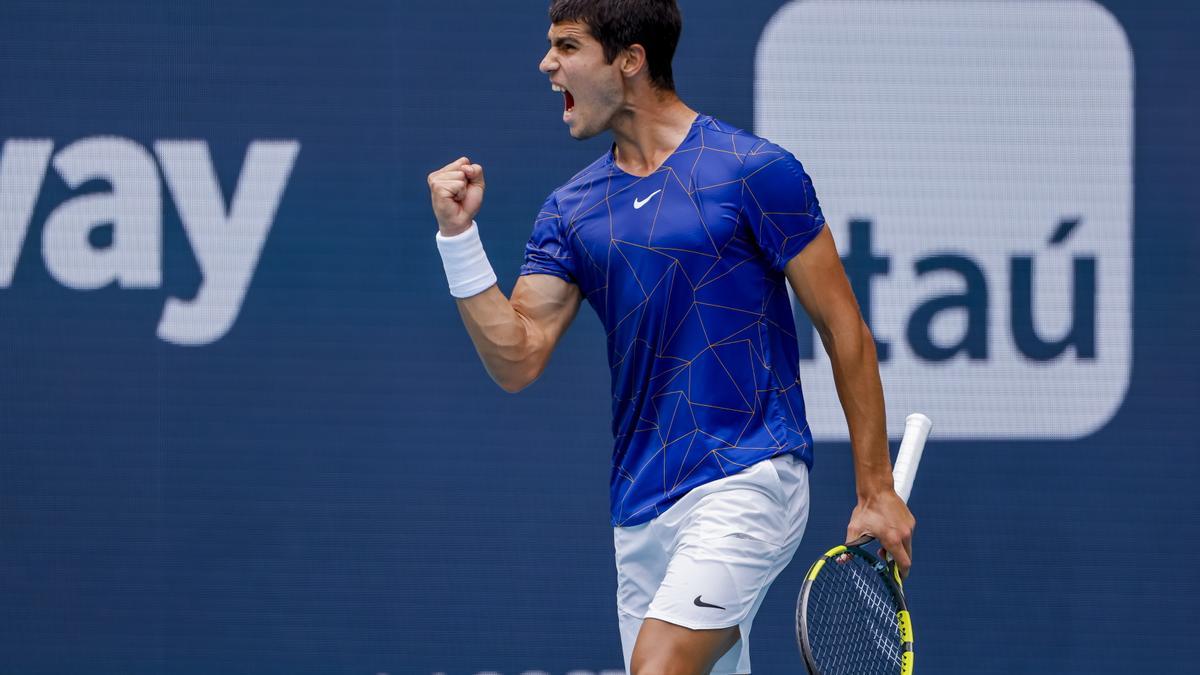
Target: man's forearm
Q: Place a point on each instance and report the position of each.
(856, 373)
(505, 339)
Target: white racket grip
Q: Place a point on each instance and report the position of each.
(916, 430)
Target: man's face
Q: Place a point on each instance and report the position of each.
(592, 89)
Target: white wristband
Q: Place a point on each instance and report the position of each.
(466, 263)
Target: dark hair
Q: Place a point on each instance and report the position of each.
(620, 24)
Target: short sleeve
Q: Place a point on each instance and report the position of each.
(780, 204)
(547, 251)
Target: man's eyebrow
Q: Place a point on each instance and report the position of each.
(570, 37)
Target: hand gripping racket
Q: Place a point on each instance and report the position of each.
(851, 618)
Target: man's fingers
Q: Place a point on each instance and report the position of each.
(858, 540)
(454, 177)
(448, 174)
(456, 165)
(474, 174)
(901, 552)
(448, 187)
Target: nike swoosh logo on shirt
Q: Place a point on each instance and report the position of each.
(700, 603)
(639, 203)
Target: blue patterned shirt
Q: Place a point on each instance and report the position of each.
(685, 268)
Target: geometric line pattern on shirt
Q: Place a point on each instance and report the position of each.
(689, 288)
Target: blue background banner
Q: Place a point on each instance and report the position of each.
(324, 480)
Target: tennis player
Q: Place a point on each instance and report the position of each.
(681, 237)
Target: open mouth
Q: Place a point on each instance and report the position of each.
(568, 99)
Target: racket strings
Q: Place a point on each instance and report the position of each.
(852, 622)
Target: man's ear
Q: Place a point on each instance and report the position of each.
(633, 60)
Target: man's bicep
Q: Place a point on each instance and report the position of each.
(548, 301)
(820, 283)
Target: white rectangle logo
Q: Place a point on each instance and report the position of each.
(974, 161)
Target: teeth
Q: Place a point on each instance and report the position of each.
(556, 88)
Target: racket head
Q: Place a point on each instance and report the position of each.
(851, 616)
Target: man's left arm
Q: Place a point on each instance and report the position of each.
(820, 282)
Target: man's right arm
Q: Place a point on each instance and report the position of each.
(514, 337)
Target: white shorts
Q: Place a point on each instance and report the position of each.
(708, 561)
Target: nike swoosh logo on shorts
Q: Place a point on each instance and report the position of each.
(700, 603)
(639, 203)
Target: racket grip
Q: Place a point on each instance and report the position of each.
(916, 430)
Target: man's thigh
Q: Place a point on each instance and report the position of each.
(667, 649)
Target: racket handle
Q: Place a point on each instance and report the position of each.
(916, 430)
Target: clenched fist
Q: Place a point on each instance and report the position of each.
(457, 193)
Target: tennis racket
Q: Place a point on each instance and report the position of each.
(851, 618)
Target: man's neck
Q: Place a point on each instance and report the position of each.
(646, 133)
